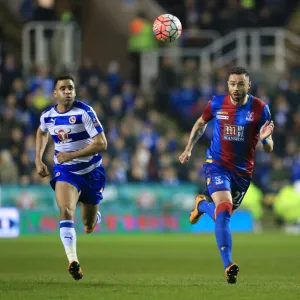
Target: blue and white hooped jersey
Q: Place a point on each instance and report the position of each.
(71, 131)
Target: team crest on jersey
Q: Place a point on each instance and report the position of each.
(250, 116)
(218, 180)
(208, 181)
(63, 135)
(72, 120)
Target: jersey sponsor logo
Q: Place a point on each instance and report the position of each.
(63, 135)
(222, 113)
(72, 120)
(250, 116)
(233, 133)
(222, 117)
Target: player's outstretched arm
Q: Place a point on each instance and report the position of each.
(197, 131)
(265, 135)
(100, 144)
(40, 146)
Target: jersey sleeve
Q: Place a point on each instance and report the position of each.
(43, 126)
(91, 123)
(265, 116)
(207, 114)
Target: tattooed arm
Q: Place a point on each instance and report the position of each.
(197, 131)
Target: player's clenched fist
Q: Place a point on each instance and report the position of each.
(185, 156)
(42, 169)
(63, 157)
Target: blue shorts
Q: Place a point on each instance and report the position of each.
(89, 185)
(219, 178)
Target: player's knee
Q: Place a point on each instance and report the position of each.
(226, 200)
(224, 205)
(66, 213)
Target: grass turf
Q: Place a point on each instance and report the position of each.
(150, 267)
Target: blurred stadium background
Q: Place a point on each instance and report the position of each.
(147, 96)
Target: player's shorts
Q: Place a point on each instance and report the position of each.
(219, 178)
(89, 185)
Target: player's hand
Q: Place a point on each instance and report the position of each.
(185, 156)
(63, 157)
(266, 130)
(42, 169)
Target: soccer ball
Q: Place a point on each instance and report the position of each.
(167, 28)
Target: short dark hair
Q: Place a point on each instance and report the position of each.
(239, 71)
(63, 77)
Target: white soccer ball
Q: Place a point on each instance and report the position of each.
(167, 28)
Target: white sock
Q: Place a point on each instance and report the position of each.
(68, 238)
(99, 217)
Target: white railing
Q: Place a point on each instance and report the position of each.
(244, 47)
(54, 44)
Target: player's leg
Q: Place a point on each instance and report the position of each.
(66, 195)
(203, 204)
(223, 202)
(66, 198)
(90, 197)
(219, 187)
(90, 215)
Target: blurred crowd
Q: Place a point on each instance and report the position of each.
(141, 148)
(143, 144)
(223, 16)
(228, 15)
(147, 132)
(184, 94)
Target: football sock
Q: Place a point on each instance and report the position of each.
(98, 218)
(68, 238)
(207, 207)
(222, 232)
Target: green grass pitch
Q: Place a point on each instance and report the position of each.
(166, 266)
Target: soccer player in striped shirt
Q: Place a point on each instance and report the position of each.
(78, 172)
(240, 121)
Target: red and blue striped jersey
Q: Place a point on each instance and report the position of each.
(236, 132)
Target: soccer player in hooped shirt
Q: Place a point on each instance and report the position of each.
(240, 120)
(78, 172)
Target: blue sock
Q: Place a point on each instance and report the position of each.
(222, 232)
(208, 208)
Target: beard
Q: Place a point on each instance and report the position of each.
(238, 98)
(67, 102)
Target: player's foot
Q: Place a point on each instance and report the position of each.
(231, 273)
(195, 213)
(75, 270)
